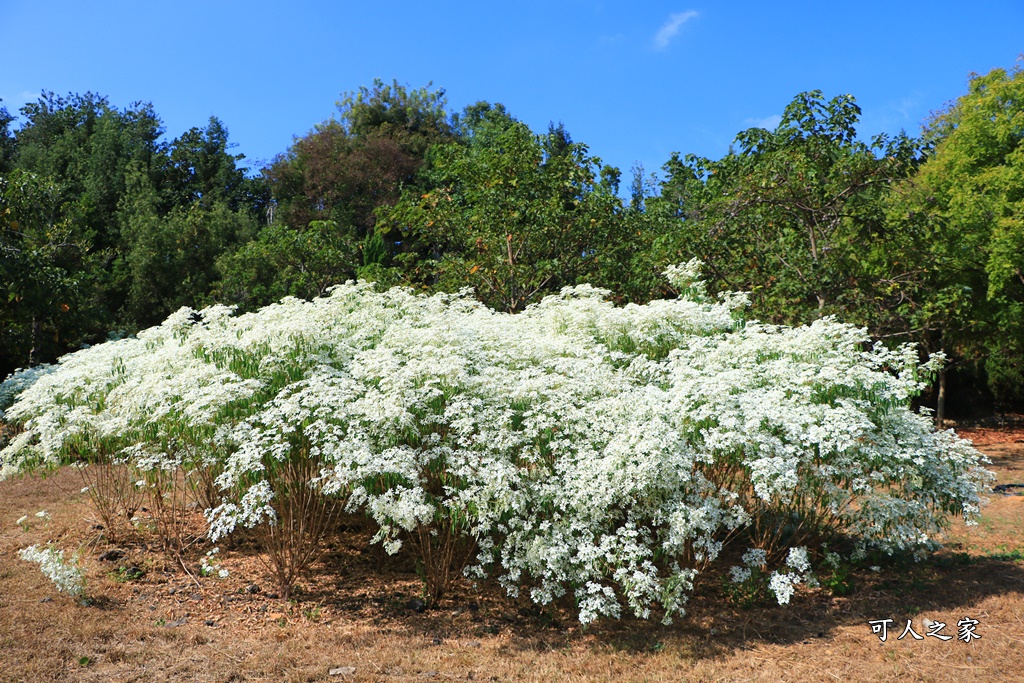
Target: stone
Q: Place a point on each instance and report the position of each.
(342, 671)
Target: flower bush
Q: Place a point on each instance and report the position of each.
(67, 577)
(582, 449)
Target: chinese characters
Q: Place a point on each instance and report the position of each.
(966, 629)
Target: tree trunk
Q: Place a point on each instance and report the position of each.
(32, 352)
(940, 403)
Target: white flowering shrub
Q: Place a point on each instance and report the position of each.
(18, 381)
(601, 453)
(67, 577)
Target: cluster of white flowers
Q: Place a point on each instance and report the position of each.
(783, 584)
(599, 450)
(67, 577)
(210, 564)
(18, 381)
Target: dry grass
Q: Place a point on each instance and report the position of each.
(353, 612)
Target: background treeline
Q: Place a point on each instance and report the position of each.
(106, 228)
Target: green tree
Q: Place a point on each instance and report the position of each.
(281, 262)
(150, 218)
(199, 169)
(84, 146)
(171, 258)
(87, 146)
(6, 139)
(326, 189)
(180, 218)
(512, 214)
(970, 195)
(42, 265)
(415, 119)
(795, 216)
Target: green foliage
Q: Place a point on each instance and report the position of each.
(282, 261)
(512, 214)
(107, 228)
(325, 190)
(104, 226)
(6, 139)
(836, 578)
(41, 276)
(750, 592)
(415, 119)
(792, 215)
(970, 194)
(199, 169)
(87, 147)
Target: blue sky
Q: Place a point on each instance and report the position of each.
(634, 81)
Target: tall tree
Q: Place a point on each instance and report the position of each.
(970, 194)
(327, 187)
(86, 147)
(792, 216)
(512, 214)
(6, 139)
(128, 226)
(43, 262)
(199, 169)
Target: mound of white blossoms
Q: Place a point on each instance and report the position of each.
(608, 452)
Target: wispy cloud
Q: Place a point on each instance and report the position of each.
(768, 122)
(671, 27)
(16, 102)
(905, 106)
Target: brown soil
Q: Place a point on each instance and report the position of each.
(352, 614)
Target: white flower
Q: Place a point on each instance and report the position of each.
(573, 441)
(739, 574)
(755, 558)
(66, 577)
(782, 586)
(798, 560)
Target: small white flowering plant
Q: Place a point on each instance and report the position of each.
(607, 454)
(209, 565)
(66, 576)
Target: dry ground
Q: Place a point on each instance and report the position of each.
(353, 615)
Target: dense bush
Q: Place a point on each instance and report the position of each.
(609, 453)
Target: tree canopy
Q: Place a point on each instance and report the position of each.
(107, 227)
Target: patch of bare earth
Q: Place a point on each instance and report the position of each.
(150, 620)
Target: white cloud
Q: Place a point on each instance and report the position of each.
(16, 102)
(768, 122)
(670, 28)
(905, 106)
